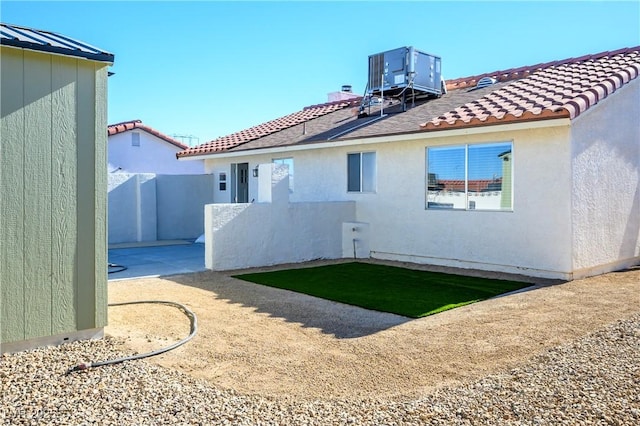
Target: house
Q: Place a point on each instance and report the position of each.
(53, 207)
(137, 148)
(533, 170)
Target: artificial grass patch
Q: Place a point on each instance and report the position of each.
(385, 288)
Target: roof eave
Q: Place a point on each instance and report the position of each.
(526, 117)
(556, 121)
(100, 57)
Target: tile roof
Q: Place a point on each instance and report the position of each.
(47, 41)
(558, 89)
(234, 140)
(125, 126)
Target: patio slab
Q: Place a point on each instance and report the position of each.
(155, 261)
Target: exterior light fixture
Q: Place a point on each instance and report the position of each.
(255, 172)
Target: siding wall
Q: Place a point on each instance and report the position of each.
(52, 196)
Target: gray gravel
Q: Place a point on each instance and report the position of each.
(591, 381)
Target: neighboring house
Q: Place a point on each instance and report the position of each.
(137, 148)
(533, 171)
(53, 207)
(148, 200)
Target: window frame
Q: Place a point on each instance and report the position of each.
(371, 174)
(469, 204)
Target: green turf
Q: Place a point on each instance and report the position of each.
(384, 288)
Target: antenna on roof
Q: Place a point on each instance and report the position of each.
(187, 139)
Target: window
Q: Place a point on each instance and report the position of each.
(361, 172)
(135, 139)
(288, 162)
(470, 177)
(223, 181)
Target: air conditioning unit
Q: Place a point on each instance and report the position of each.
(406, 68)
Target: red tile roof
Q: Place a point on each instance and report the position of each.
(556, 89)
(235, 139)
(474, 185)
(125, 126)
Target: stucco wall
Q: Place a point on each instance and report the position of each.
(149, 207)
(534, 238)
(153, 155)
(132, 208)
(606, 185)
(180, 205)
(53, 185)
(275, 231)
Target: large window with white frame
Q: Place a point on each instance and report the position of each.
(470, 177)
(288, 161)
(361, 172)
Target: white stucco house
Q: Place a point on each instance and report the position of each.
(534, 171)
(137, 148)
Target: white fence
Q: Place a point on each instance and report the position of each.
(274, 231)
(149, 207)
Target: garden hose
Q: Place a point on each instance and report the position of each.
(115, 265)
(194, 328)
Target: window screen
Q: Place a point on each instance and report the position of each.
(470, 177)
(361, 172)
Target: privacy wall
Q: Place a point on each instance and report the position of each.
(273, 231)
(150, 207)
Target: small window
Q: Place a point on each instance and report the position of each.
(470, 177)
(361, 172)
(135, 139)
(288, 162)
(222, 181)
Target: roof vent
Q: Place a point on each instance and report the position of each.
(486, 81)
(346, 88)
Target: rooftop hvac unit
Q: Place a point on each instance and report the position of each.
(391, 73)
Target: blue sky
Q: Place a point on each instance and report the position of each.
(211, 68)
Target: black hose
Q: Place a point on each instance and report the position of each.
(194, 328)
(114, 265)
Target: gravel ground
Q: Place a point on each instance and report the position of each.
(591, 380)
(257, 340)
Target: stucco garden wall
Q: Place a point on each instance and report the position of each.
(149, 207)
(132, 207)
(273, 231)
(606, 185)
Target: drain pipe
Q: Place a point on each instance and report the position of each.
(354, 230)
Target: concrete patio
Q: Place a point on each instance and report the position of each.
(159, 259)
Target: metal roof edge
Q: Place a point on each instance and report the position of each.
(100, 57)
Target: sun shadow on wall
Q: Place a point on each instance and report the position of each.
(337, 319)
